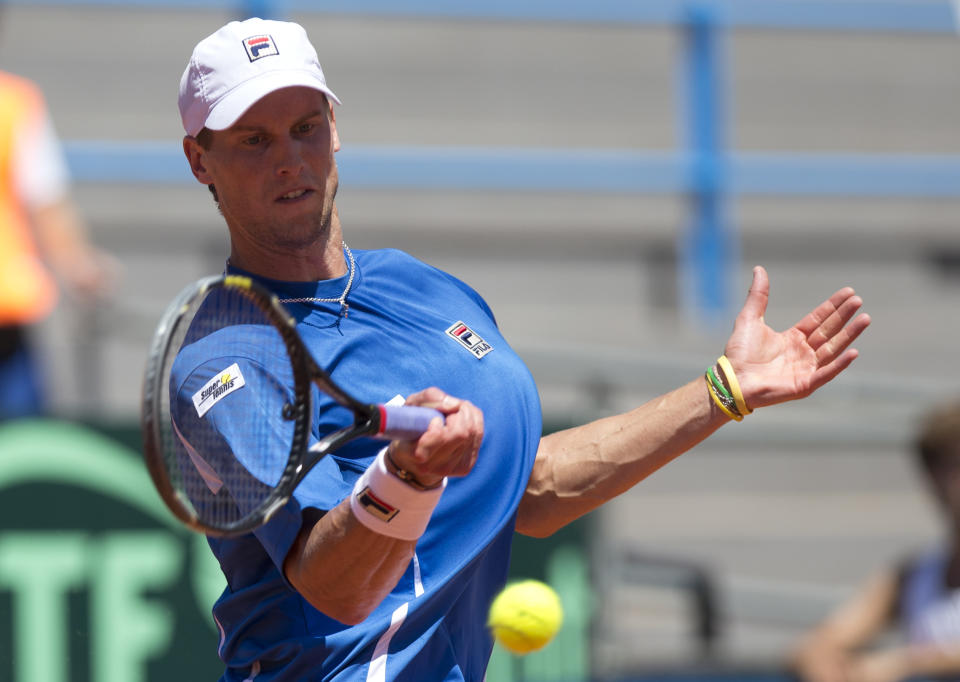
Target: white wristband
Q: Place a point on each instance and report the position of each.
(386, 505)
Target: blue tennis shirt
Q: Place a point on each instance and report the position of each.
(409, 326)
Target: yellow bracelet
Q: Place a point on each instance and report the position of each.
(734, 385)
(713, 394)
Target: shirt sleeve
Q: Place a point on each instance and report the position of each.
(39, 166)
(230, 412)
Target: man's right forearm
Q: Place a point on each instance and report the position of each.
(343, 568)
(346, 561)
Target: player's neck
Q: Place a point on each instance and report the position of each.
(321, 260)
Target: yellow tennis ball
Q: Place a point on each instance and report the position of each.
(525, 616)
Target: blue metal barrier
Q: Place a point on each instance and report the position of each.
(919, 16)
(564, 170)
(708, 250)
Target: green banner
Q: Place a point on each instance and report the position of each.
(99, 582)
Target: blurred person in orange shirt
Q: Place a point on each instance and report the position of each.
(917, 600)
(42, 240)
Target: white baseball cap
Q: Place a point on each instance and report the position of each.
(241, 63)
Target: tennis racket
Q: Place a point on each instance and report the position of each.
(228, 394)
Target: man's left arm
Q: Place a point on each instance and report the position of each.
(579, 469)
(905, 662)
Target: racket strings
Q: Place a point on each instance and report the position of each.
(230, 382)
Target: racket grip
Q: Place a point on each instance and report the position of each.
(405, 422)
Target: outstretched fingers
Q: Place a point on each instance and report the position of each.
(832, 348)
(781, 366)
(829, 318)
(829, 330)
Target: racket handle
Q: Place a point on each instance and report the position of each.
(405, 422)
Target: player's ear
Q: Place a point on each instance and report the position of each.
(333, 130)
(195, 156)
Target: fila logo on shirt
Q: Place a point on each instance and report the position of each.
(469, 339)
(258, 47)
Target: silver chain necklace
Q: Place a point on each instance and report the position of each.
(342, 298)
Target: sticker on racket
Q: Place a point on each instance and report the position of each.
(226, 412)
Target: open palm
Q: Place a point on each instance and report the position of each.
(774, 367)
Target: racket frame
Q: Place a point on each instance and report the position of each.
(305, 371)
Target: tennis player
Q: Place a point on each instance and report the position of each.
(383, 565)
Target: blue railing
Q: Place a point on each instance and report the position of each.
(703, 169)
(921, 16)
(565, 170)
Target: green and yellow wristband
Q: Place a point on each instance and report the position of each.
(725, 390)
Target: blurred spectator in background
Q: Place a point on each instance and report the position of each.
(917, 600)
(42, 240)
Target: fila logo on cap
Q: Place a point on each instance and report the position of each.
(469, 339)
(258, 47)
